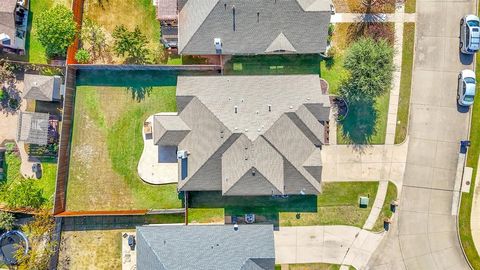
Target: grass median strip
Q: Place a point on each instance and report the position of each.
(405, 82)
(386, 212)
(464, 216)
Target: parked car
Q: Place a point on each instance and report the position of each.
(466, 87)
(469, 34)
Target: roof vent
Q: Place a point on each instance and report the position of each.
(233, 12)
(235, 227)
(235, 109)
(258, 17)
(269, 107)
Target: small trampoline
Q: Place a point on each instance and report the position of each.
(10, 242)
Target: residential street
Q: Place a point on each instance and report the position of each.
(424, 235)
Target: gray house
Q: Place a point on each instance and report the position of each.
(247, 135)
(42, 88)
(208, 27)
(172, 247)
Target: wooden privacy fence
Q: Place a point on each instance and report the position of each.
(64, 149)
(77, 8)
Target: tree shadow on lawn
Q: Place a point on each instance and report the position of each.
(358, 127)
(267, 207)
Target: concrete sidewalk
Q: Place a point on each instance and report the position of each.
(328, 244)
(377, 205)
(377, 17)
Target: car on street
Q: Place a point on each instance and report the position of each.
(466, 87)
(469, 34)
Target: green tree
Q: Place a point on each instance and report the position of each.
(130, 44)
(370, 64)
(56, 30)
(24, 194)
(94, 37)
(82, 56)
(6, 221)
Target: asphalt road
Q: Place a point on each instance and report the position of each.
(424, 234)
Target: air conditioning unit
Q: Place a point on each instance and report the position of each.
(182, 154)
(218, 45)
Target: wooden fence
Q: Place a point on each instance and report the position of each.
(64, 149)
(77, 8)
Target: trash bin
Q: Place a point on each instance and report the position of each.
(386, 224)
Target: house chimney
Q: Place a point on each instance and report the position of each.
(233, 12)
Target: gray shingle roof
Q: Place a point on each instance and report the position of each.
(7, 19)
(169, 129)
(173, 247)
(259, 27)
(44, 88)
(33, 128)
(255, 151)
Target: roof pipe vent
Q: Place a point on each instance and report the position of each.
(269, 107)
(258, 17)
(233, 12)
(235, 109)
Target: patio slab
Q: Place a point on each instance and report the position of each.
(150, 169)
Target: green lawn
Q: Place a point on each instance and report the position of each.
(467, 198)
(107, 145)
(334, 73)
(405, 82)
(366, 123)
(35, 50)
(312, 266)
(273, 64)
(337, 205)
(46, 183)
(386, 213)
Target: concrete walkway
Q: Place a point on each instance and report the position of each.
(377, 205)
(378, 17)
(329, 244)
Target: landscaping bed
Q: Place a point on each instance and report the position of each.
(106, 147)
(336, 205)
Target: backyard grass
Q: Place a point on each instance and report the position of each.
(35, 50)
(273, 64)
(405, 82)
(337, 205)
(386, 212)
(206, 215)
(312, 266)
(107, 145)
(464, 216)
(365, 123)
(46, 183)
(93, 249)
(410, 6)
(131, 13)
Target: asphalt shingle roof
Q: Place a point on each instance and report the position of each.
(43, 88)
(261, 148)
(7, 19)
(173, 247)
(254, 27)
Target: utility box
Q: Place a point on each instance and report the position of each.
(363, 202)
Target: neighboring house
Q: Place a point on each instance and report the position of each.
(229, 27)
(33, 128)
(179, 247)
(42, 88)
(247, 135)
(13, 26)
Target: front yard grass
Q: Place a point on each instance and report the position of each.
(337, 205)
(106, 147)
(273, 64)
(410, 6)
(386, 211)
(356, 6)
(365, 123)
(405, 82)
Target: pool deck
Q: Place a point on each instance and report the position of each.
(149, 167)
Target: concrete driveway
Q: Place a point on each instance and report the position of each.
(424, 235)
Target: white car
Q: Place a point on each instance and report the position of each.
(466, 87)
(469, 34)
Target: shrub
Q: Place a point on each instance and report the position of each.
(6, 221)
(24, 194)
(56, 30)
(130, 44)
(82, 56)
